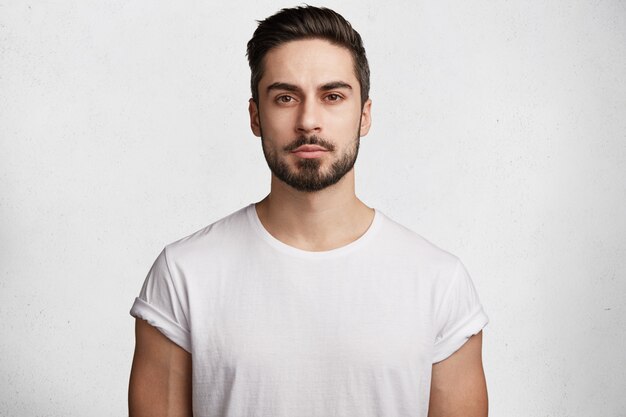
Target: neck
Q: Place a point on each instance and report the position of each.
(315, 221)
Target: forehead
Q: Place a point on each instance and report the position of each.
(308, 61)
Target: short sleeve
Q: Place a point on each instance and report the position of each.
(459, 316)
(160, 304)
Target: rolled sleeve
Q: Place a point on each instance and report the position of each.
(161, 305)
(459, 316)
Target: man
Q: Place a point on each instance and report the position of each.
(309, 302)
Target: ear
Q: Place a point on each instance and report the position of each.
(255, 123)
(366, 117)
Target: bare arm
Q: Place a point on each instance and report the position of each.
(160, 379)
(458, 387)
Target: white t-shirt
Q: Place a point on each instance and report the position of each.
(276, 331)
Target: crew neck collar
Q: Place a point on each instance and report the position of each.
(291, 250)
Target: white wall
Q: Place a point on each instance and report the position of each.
(499, 134)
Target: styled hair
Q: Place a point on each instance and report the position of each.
(306, 22)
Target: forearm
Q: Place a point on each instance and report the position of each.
(160, 379)
(458, 386)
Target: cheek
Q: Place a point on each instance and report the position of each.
(276, 121)
(348, 124)
(347, 117)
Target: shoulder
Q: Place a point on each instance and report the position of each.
(408, 243)
(211, 239)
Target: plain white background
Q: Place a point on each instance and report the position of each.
(499, 133)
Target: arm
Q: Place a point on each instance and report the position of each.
(458, 386)
(160, 379)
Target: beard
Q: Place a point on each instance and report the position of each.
(308, 175)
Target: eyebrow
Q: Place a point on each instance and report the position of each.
(333, 85)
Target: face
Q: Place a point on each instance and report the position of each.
(309, 114)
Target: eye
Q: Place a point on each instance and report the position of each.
(284, 99)
(333, 97)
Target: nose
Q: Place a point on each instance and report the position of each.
(309, 117)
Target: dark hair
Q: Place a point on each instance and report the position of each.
(306, 22)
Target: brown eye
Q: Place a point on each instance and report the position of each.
(333, 97)
(284, 99)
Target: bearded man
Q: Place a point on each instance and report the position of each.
(308, 302)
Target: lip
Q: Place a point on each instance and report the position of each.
(310, 154)
(309, 148)
(309, 151)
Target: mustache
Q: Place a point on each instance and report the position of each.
(310, 140)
